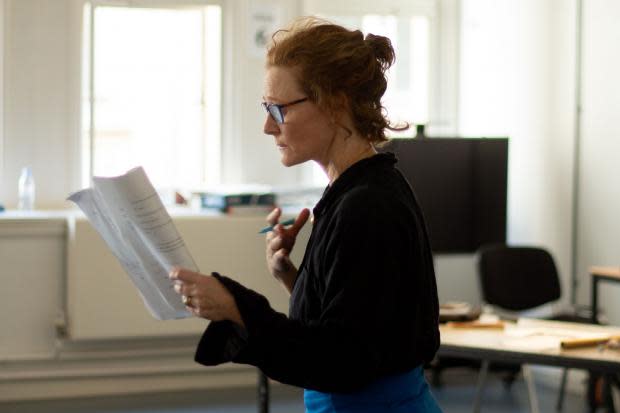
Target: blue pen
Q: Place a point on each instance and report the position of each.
(270, 228)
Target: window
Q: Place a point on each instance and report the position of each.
(152, 84)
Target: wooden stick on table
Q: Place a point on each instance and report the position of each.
(586, 342)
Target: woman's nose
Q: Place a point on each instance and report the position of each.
(270, 127)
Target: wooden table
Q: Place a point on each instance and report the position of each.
(498, 345)
(501, 345)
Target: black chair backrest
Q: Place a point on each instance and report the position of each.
(517, 278)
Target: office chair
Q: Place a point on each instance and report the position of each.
(518, 278)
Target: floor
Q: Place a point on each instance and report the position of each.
(455, 395)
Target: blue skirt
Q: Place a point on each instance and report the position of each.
(401, 393)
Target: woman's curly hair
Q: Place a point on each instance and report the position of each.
(339, 69)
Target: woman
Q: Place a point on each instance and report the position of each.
(363, 308)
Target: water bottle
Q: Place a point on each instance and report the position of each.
(25, 190)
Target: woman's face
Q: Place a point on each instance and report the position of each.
(307, 132)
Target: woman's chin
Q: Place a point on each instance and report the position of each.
(287, 160)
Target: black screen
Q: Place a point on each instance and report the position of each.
(461, 184)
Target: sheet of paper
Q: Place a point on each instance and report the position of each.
(528, 335)
(130, 217)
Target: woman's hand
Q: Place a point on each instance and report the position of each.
(280, 243)
(205, 296)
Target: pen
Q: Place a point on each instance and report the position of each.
(270, 227)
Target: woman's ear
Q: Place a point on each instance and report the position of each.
(342, 103)
(342, 114)
(339, 108)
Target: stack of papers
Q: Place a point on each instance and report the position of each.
(128, 214)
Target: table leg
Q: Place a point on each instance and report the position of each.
(594, 299)
(615, 390)
(592, 377)
(263, 393)
(608, 392)
(531, 388)
(560, 403)
(482, 377)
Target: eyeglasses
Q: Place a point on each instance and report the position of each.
(275, 110)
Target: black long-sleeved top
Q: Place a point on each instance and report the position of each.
(364, 303)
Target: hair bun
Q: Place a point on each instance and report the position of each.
(382, 49)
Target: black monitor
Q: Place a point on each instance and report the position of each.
(461, 184)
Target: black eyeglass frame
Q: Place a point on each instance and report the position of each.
(275, 109)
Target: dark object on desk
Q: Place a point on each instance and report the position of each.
(226, 202)
(461, 184)
(457, 311)
(419, 131)
(518, 278)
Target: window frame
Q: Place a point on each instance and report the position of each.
(87, 135)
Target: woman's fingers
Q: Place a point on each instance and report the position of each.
(300, 221)
(195, 287)
(185, 275)
(282, 260)
(205, 296)
(184, 288)
(186, 282)
(270, 236)
(275, 243)
(293, 230)
(274, 216)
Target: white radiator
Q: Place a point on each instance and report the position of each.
(102, 302)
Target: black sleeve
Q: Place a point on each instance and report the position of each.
(355, 337)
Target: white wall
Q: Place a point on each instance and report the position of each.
(518, 78)
(599, 201)
(26, 248)
(250, 155)
(39, 82)
(517, 60)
